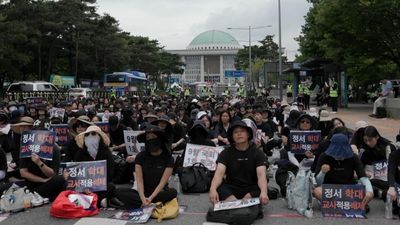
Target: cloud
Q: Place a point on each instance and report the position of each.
(176, 22)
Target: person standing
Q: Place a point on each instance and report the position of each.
(333, 95)
(386, 87)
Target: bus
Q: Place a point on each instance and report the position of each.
(124, 82)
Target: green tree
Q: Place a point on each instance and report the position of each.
(363, 35)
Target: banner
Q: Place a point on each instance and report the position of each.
(40, 142)
(243, 203)
(202, 154)
(141, 215)
(103, 126)
(302, 141)
(90, 175)
(343, 201)
(57, 112)
(381, 170)
(62, 131)
(133, 147)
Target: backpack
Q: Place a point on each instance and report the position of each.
(195, 178)
(241, 216)
(15, 199)
(299, 191)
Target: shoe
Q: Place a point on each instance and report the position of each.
(104, 203)
(45, 200)
(372, 115)
(116, 203)
(36, 199)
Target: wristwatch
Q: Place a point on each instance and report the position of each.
(41, 165)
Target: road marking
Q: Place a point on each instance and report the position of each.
(102, 221)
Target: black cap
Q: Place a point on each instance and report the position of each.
(113, 121)
(239, 123)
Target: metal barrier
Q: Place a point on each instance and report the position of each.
(63, 95)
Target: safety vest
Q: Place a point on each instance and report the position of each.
(241, 92)
(333, 93)
(301, 89)
(187, 93)
(306, 90)
(289, 88)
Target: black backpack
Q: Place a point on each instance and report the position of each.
(195, 178)
(242, 216)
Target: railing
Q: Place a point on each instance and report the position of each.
(62, 95)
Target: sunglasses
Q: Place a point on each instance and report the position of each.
(305, 121)
(91, 133)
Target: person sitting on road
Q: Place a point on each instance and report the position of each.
(153, 168)
(241, 170)
(338, 164)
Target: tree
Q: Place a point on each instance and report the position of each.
(363, 35)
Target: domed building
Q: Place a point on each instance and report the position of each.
(208, 56)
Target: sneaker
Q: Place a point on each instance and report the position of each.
(36, 199)
(45, 200)
(104, 203)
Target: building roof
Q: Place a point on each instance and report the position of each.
(214, 39)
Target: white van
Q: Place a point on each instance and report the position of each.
(27, 86)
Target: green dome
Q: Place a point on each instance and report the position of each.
(214, 39)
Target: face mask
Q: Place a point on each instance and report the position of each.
(92, 144)
(153, 145)
(12, 108)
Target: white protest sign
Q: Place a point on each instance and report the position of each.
(225, 205)
(57, 112)
(133, 147)
(206, 155)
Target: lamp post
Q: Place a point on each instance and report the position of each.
(250, 28)
(280, 52)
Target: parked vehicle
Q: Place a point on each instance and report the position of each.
(79, 92)
(30, 86)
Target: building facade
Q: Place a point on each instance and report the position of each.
(208, 56)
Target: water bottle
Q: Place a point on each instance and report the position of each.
(388, 208)
(27, 199)
(177, 183)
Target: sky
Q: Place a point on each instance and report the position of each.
(174, 23)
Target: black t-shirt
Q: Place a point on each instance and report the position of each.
(394, 168)
(264, 127)
(3, 160)
(241, 166)
(153, 168)
(26, 163)
(117, 136)
(341, 172)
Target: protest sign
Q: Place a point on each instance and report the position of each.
(206, 155)
(34, 101)
(61, 131)
(40, 142)
(141, 215)
(133, 147)
(380, 170)
(237, 204)
(57, 112)
(343, 201)
(302, 141)
(91, 175)
(103, 126)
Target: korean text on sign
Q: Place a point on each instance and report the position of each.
(86, 175)
(343, 201)
(302, 141)
(133, 147)
(39, 142)
(206, 155)
(62, 133)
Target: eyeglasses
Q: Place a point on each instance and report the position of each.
(91, 133)
(305, 121)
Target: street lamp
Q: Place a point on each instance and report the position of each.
(280, 52)
(249, 78)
